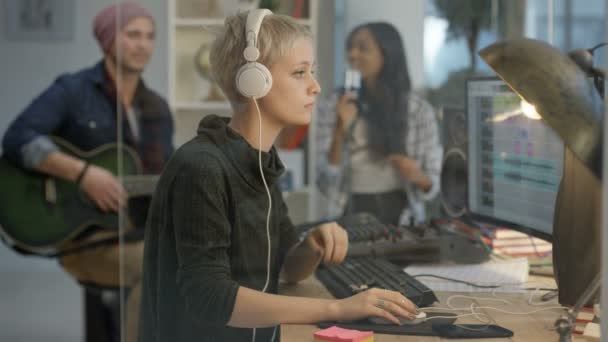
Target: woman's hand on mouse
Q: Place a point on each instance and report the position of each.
(374, 302)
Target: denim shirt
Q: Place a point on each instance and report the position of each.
(77, 109)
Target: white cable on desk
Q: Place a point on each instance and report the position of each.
(478, 315)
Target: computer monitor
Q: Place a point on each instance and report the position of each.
(515, 162)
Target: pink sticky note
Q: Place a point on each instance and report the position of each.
(337, 334)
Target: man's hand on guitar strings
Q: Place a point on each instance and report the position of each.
(104, 189)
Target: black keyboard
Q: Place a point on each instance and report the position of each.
(359, 274)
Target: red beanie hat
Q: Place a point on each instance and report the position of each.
(113, 18)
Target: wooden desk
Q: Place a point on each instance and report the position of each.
(535, 327)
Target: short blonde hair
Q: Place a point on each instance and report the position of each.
(277, 35)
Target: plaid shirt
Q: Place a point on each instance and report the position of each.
(422, 144)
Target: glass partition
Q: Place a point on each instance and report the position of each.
(60, 171)
(427, 129)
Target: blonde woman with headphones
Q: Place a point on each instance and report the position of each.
(219, 235)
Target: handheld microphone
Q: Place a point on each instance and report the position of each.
(352, 82)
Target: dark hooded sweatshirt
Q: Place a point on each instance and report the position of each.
(206, 236)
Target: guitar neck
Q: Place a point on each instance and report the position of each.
(140, 185)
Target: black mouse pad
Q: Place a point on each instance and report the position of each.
(423, 329)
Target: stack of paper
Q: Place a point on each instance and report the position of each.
(511, 275)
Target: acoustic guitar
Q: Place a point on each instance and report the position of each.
(39, 212)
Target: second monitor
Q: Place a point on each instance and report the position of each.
(515, 161)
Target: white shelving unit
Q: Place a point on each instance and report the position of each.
(188, 20)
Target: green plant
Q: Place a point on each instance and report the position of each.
(466, 18)
(270, 4)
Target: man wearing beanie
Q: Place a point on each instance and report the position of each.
(85, 109)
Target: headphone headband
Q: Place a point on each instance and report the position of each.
(252, 29)
(253, 79)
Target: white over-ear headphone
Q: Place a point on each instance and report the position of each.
(253, 79)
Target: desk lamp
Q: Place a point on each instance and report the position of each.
(559, 88)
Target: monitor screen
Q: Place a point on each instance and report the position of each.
(515, 162)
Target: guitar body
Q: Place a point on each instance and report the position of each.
(39, 212)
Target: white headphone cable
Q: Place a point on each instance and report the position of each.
(269, 209)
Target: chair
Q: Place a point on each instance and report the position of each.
(102, 313)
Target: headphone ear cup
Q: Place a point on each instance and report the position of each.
(253, 80)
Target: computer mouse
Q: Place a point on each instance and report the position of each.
(420, 317)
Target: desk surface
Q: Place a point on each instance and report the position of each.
(535, 327)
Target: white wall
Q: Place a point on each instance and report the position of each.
(406, 16)
(325, 45)
(28, 67)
